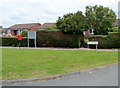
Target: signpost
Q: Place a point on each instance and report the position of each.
(93, 43)
(32, 35)
(19, 39)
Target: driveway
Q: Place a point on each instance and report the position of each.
(103, 77)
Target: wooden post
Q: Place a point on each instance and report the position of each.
(19, 44)
(96, 46)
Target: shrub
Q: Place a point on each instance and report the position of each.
(111, 40)
(12, 41)
(48, 30)
(57, 39)
(85, 42)
(97, 37)
(24, 33)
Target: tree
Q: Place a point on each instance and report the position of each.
(24, 33)
(100, 19)
(72, 23)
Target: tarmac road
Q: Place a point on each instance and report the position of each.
(104, 77)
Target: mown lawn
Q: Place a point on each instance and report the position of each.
(26, 63)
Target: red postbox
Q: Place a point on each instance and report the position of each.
(19, 37)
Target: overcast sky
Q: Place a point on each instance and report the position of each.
(42, 11)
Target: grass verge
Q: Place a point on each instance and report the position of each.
(31, 63)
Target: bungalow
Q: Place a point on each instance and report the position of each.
(18, 28)
(46, 25)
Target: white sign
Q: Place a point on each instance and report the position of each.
(31, 35)
(92, 42)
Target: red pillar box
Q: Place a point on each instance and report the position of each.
(19, 37)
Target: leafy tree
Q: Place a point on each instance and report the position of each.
(72, 23)
(24, 33)
(100, 19)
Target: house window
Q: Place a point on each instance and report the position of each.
(15, 32)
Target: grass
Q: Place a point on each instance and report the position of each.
(26, 63)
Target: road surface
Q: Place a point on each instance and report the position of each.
(104, 77)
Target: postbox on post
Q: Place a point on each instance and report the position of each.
(19, 39)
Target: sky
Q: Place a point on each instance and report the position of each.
(45, 11)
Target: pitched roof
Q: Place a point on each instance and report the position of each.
(23, 25)
(1, 29)
(46, 25)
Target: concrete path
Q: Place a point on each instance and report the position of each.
(51, 48)
(104, 77)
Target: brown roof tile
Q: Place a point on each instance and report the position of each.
(24, 25)
(46, 25)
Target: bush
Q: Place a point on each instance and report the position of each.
(111, 40)
(48, 30)
(12, 41)
(24, 33)
(97, 37)
(47, 39)
(85, 42)
(57, 39)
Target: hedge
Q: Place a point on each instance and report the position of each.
(97, 37)
(57, 39)
(47, 39)
(112, 40)
(12, 41)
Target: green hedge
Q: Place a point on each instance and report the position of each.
(12, 41)
(49, 30)
(98, 36)
(47, 39)
(57, 39)
(112, 40)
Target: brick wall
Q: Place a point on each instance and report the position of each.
(87, 35)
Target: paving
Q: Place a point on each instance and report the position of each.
(104, 77)
(52, 48)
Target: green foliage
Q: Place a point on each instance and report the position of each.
(54, 26)
(49, 30)
(113, 33)
(57, 39)
(100, 19)
(24, 33)
(112, 40)
(12, 41)
(86, 40)
(98, 36)
(72, 23)
(114, 29)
